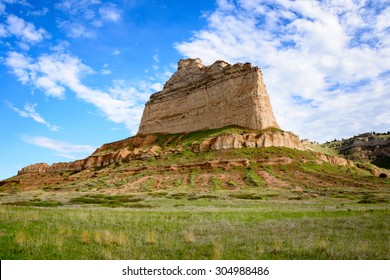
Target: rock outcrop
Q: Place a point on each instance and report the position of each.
(199, 97)
(35, 168)
(366, 147)
(138, 147)
(335, 160)
(147, 146)
(250, 140)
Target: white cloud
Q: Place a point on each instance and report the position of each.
(21, 66)
(57, 72)
(225, 5)
(326, 64)
(156, 58)
(82, 17)
(116, 52)
(105, 71)
(19, 2)
(76, 29)
(30, 112)
(61, 148)
(46, 73)
(109, 12)
(85, 8)
(50, 86)
(3, 31)
(156, 86)
(61, 46)
(25, 31)
(38, 13)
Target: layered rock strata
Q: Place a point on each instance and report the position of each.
(250, 140)
(199, 97)
(366, 146)
(146, 146)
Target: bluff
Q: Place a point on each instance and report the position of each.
(199, 97)
(156, 146)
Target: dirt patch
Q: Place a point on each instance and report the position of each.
(272, 181)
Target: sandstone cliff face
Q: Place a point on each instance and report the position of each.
(146, 146)
(335, 160)
(199, 97)
(138, 147)
(35, 168)
(250, 140)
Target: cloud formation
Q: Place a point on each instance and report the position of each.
(109, 12)
(38, 13)
(326, 63)
(22, 30)
(30, 112)
(64, 149)
(76, 29)
(81, 17)
(116, 52)
(58, 72)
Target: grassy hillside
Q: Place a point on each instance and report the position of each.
(248, 203)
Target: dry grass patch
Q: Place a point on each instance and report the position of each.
(217, 251)
(189, 236)
(85, 237)
(20, 238)
(151, 237)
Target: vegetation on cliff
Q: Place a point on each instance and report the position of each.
(236, 203)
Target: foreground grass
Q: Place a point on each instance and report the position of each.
(281, 204)
(184, 229)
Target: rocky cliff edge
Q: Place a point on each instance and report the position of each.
(156, 145)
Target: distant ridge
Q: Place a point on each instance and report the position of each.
(367, 147)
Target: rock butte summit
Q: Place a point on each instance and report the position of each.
(199, 97)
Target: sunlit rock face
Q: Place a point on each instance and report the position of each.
(199, 97)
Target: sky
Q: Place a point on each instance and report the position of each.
(75, 74)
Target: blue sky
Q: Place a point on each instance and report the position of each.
(75, 74)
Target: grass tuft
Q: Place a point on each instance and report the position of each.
(151, 237)
(189, 236)
(251, 196)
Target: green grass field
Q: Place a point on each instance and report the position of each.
(209, 227)
(248, 203)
